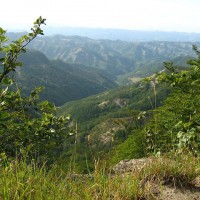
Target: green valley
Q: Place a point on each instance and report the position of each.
(123, 121)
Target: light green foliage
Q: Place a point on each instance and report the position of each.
(27, 126)
(133, 147)
(176, 124)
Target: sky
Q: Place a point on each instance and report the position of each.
(164, 15)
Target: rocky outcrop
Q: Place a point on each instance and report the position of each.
(156, 188)
(126, 166)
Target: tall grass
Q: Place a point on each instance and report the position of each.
(19, 180)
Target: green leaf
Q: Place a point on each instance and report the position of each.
(4, 115)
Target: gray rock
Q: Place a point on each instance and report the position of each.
(125, 166)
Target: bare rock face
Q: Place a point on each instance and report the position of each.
(126, 166)
(196, 181)
(172, 193)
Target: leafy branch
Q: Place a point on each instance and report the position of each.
(26, 124)
(14, 49)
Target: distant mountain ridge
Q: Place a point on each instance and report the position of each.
(122, 34)
(116, 57)
(116, 34)
(82, 50)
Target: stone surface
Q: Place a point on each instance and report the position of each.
(125, 166)
(156, 190)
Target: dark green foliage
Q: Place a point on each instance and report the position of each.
(27, 126)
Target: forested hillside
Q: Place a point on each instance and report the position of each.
(63, 82)
(116, 103)
(109, 118)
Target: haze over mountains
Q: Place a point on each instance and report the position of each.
(116, 57)
(123, 34)
(126, 35)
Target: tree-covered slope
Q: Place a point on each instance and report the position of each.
(116, 103)
(63, 82)
(107, 119)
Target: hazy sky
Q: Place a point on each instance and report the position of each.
(168, 15)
